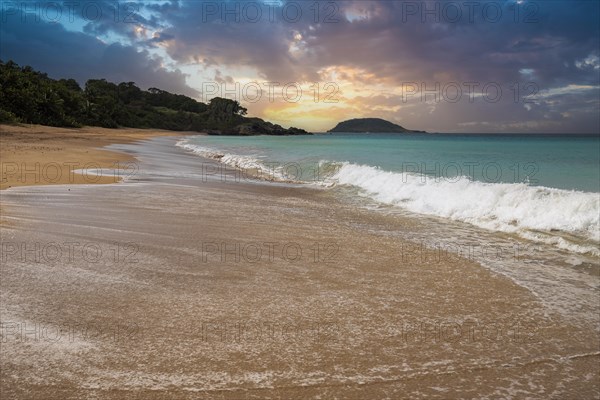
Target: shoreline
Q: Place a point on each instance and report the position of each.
(34, 155)
(45, 155)
(208, 296)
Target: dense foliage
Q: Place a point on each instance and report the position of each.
(30, 96)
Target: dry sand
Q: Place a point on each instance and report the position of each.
(182, 288)
(44, 155)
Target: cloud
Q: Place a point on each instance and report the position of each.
(51, 48)
(379, 37)
(370, 48)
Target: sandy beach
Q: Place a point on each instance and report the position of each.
(177, 283)
(45, 155)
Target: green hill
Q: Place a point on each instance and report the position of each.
(374, 125)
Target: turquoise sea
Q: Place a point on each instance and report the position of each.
(523, 184)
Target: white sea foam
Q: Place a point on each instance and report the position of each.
(535, 213)
(530, 211)
(243, 163)
(233, 160)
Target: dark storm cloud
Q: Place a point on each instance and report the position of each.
(51, 48)
(394, 44)
(204, 34)
(386, 38)
(116, 17)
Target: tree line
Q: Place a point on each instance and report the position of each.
(29, 96)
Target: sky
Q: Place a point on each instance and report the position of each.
(440, 66)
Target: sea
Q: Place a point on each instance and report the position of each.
(541, 187)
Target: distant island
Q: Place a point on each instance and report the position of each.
(31, 97)
(374, 125)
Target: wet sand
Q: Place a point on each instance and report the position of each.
(184, 283)
(45, 155)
